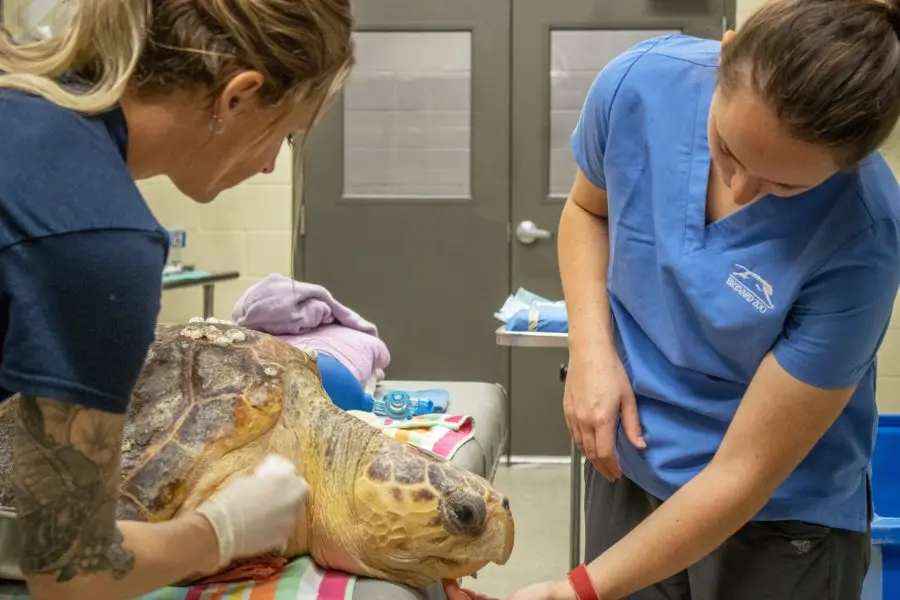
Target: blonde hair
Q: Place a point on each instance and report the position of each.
(303, 49)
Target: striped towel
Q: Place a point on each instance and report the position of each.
(438, 434)
(300, 580)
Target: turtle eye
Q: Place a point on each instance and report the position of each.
(464, 513)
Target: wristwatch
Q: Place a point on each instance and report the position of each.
(582, 584)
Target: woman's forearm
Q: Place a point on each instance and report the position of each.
(164, 553)
(583, 251)
(690, 525)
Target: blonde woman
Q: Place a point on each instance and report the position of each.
(205, 92)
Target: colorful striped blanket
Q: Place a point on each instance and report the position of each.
(438, 434)
(302, 579)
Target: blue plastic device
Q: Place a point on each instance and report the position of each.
(400, 404)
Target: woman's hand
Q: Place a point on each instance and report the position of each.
(597, 391)
(454, 592)
(548, 590)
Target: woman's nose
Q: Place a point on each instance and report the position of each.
(743, 189)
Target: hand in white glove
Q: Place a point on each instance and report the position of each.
(255, 514)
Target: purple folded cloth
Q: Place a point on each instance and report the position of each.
(280, 305)
(307, 314)
(363, 354)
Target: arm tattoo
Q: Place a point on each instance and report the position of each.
(66, 475)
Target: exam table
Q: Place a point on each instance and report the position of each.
(486, 403)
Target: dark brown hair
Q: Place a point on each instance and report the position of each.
(303, 49)
(830, 70)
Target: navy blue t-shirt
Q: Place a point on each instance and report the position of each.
(81, 257)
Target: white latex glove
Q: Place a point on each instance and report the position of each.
(255, 514)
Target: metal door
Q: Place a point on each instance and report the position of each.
(559, 47)
(406, 185)
(453, 131)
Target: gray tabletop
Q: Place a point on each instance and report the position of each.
(531, 339)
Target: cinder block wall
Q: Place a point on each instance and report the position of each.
(889, 355)
(11, 9)
(247, 229)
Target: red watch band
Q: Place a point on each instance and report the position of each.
(582, 584)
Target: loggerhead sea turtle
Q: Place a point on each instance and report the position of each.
(214, 398)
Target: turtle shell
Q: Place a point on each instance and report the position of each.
(193, 403)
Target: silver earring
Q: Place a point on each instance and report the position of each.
(217, 125)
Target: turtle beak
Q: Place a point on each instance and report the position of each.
(502, 532)
(508, 536)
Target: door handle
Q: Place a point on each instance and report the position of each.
(528, 233)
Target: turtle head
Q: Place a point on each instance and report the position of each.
(422, 519)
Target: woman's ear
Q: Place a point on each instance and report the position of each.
(239, 94)
(727, 37)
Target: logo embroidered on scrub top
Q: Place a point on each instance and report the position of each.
(752, 288)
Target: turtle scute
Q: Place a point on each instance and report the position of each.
(213, 399)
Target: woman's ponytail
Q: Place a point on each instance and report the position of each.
(101, 46)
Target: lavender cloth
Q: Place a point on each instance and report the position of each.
(363, 354)
(307, 314)
(281, 306)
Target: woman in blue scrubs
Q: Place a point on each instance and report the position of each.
(730, 255)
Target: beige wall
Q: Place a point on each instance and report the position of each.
(11, 10)
(13, 14)
(247, 229)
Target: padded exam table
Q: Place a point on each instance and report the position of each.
(486, 403)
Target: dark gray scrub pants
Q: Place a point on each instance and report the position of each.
(787, 560)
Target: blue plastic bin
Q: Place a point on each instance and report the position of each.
(886, 467)
(883, 580)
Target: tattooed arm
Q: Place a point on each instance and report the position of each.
(66, 475)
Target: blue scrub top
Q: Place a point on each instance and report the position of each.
(812, 278)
